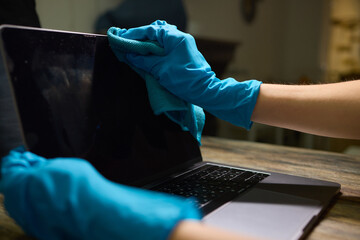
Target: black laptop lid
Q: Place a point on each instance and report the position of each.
(75, 99)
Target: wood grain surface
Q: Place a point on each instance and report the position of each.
(342, 221)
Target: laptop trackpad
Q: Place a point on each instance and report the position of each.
(266, 214)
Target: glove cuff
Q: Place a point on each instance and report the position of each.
(248, 101)
(232, 101)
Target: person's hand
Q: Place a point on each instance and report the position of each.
(66, 198)
(184, 72)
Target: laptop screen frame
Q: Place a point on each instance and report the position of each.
(14, 111)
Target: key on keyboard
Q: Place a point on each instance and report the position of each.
(211, 183)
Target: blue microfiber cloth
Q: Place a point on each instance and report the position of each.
(190, 117)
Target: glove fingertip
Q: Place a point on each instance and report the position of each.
(163, 23)
(19, 149)
(19, 157)
(15, 153)
(159, 22)
(115, 31)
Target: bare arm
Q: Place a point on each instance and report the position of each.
(198, 231)
(331, 110)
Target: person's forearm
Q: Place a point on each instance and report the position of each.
(326, 109)
(195, 230)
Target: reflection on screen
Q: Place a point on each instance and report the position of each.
(76, 100)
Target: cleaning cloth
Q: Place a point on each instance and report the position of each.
(188, 116)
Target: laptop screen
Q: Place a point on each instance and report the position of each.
(75, 99)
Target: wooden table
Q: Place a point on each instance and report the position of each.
(341, 222)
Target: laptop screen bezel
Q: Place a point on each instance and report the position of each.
(138, 182)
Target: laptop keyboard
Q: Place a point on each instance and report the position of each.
(211, 184)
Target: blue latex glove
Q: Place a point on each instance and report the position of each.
(66, 198)
(184, 72)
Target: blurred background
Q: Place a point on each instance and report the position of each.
(275, 41)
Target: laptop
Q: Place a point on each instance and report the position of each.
(64, 94)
